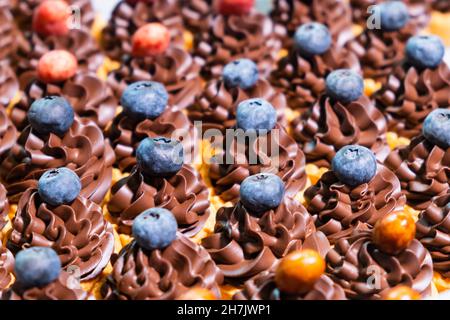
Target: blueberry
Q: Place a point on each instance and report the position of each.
(256, 114)
(37, 266)
(344, 85)
(160, 156)
(154, 228)
(354, 165)
(425, 51)
(312, 39)
(242, 73)
(393, 15)
(436, 127)
(59, 186)
(51, 115)
(144, 99)
(262, 192)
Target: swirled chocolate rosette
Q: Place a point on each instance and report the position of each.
(197, 14)
(8, 30)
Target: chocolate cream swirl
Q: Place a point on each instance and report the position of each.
(9, 85)
(77, 231)
(197, 14)
(423, 169)
(216, 106)
(330, 125)
(441, 5)
(82, 149)
(245, 244)
(161, 274)
(367, 273)
(4, 207)
(127, 18)
(282, 157)
(8, 133)
(339, 209)
(409, 95)
(89, 96)
(60, 289)
(126, 133)
(6, 268)
(232, 37)
(176, 69)
(8, 33)
(433, 231)
(184, 194)
(302, 79)
(290, 14)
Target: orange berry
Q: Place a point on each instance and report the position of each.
(150, 39)
(57, 66)
(299, 271)
(401, 293)
(197, 293)
(237, 7)
(51, 18)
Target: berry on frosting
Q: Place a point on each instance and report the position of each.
(394, 232)
(197, 293)
(160, 156)
(237, 7)
(425, 51)
(51, 17)
(154, 228)
(436, 127)
(37, 266)
(144, 99)
(344, 85)
(312, 39)
(401, 293)
(299, 271)
(57, 66)
(59, 186)
(242, 73)
(262, 192)
(393, 15)
(150, 39)
(51, 115)
(256, 114)
(354, 165)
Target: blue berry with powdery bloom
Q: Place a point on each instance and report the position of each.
(344, 85)
(312, 39)
(256, 114)
(262, 192)
(51, 115)
(37, 266)
(425, 51)
(59, 186)
(354, 165)
(160, 156)
(154, 228)
(144, 99)
(242, 73)
(393, 15)
(436, 128)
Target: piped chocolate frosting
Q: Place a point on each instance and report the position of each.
(6, 268)
(197, 14)
(8, 133)
(8, 33)
(9, 85)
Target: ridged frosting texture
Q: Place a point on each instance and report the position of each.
(184, 194)
(161, 274)
(423, 169)
(8, 133)
(8, 33)
(77, 232)
(9, 85)
(197, 14)
(6, 268)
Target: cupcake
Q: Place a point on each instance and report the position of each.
(160, 179)
(39, 277)
(160, 264)
(423, 166)
(146, 114)
(357, 191)
(57, 74)
(56, 215)
(129, 15)
(380, 46)
(299, 276)
(343, 115)
(290, 14)
(416, 87)
(9, 85)
(154, 59)
(236, 32)
(301, 75)
(6, 268)
(216, 106)
(250, 237)
(8, 30)
(79, 12)
(370, 263)
(55, 138)
(257, 144)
